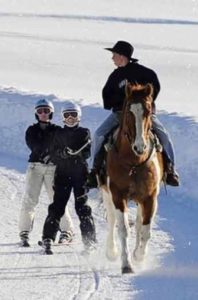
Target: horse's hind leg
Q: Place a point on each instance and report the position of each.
(123, 231)
(144, 231)
(111, 247)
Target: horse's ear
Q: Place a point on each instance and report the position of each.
(127, 89)
(149, 90)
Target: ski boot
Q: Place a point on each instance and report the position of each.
(46, 244)
(66, 237)
(24, 238)
(172, 177)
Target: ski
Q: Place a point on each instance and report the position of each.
(24, 239)
(56, 244)
(48, 252)
(63, 242)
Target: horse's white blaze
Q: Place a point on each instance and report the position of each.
(111, 247)
(139, 143)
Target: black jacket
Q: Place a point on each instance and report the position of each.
(114, 90)
(73, 138)
(38, 138)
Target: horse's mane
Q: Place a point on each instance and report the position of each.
(138, 91)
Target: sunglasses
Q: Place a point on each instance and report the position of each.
(42, 110)
(68, 114)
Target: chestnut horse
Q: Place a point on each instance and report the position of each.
(134, 171)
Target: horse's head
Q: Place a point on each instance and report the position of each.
(137, 115)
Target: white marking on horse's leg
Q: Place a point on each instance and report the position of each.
(140, 252)
(138, 225)
(123, 231)
(111, 246)
(157, 167)
(139, 143)
(145, 234)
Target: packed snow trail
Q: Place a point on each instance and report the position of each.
(67, 273)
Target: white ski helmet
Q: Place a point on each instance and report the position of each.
(44, 103)
(70, 107)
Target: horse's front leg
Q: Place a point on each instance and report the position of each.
(148, 208)
(140, 251)
(138, 226)
(123, 231)
(111, 246)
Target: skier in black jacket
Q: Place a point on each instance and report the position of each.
(128, 69)
(40, 171)
(70, 149)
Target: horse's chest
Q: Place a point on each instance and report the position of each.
(138, 183)
(134, 182)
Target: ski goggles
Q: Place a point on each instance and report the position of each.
(42, 110)
(68, 114)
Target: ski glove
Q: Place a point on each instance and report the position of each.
(66, 152)
(45, 157)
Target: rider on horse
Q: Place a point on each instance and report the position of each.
(129, 70)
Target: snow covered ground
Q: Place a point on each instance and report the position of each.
(54, 49)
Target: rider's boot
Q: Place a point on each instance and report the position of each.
(172, 177)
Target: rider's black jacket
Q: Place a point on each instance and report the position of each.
(114, 90)
(38, 138)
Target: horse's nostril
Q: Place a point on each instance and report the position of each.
(140, 152)
(135, 148)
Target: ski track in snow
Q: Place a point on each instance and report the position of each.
(47, 38)
(103, 18)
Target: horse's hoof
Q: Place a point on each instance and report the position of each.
(127, 270)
